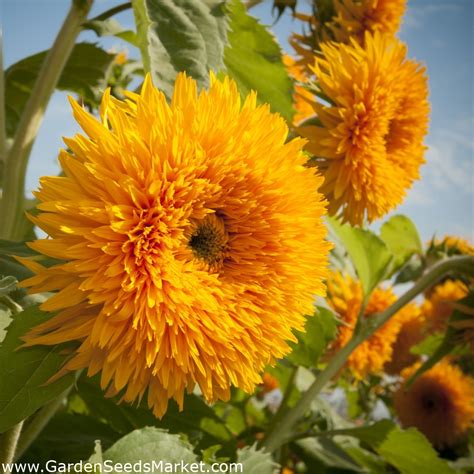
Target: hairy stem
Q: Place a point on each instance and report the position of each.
(282, 429)
(8, 442)
(12, 203)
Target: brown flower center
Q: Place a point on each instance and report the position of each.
(209, 241)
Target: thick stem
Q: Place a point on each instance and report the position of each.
(12, 203)
(282, 429)
(8, 442)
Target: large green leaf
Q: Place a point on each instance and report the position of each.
(369, 254)
(24, 372)
(253, 58)
(151, 444)
(320, 329)
(402, 238)
(408, 450)
(180, 35)
(84, 72)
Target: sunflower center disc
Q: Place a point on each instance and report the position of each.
(209, 240)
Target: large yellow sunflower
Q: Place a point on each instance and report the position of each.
(439, 304)
(190, 240)
(370, 143)
(345, 296)
(440, 403)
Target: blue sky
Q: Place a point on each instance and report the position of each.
(438, 33)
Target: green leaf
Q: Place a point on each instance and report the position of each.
(179, 35)
(320, 329)
(253, 58)
(24, 372)
(148, 445)
(411, 453)
(7, 285)
(111, 27)
(408, 450)
(369, 254)
(84, 72)
(5, 319)
(401, 237)
(256, 461)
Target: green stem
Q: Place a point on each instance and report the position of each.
(282, 429)
(12, 203)
(37, 423)
(8, 443)
(112, 11)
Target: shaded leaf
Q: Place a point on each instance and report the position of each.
(320, 329)
(401, 237)
(179, 35)
(84, 72)
(70, 438)
(253, 58)
(24, 372)
(111, 27)
(368, 253)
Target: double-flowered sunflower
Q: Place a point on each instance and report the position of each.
(369, 143)
(440, 403)
(189, 243)
(345, 296)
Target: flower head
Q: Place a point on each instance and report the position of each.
(440, 403)
(345, 296)
(190, 243)
(453, 245)
(354, 17)
(369, 145)
(412, 331)
(439, 304)
(346, 21)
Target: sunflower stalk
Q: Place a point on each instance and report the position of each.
(12, 203)
(281, 431)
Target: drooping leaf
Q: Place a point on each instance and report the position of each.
(25, 371)
(256, 461)
(320, 329)
(253, 58)
(70, 438)
(84, 72)
(179, 35)
(369, 254)
(148, 445)
(402, 238)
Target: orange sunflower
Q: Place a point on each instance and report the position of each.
(412, 331)
(345, 296)
(302, 97)
(440, 403)
(439, 304)
(347, 20)
(369, 146)
(189, 240)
